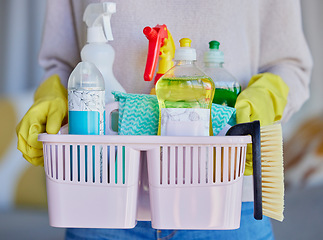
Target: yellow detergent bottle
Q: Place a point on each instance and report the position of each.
(185, 95)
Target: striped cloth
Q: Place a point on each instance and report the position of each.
(139, 114)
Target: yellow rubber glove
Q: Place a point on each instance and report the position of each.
(48, 113)
(264, 99)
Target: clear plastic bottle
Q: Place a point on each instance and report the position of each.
(86, 109)
(86, 100)
(227, 87)
(185, 96)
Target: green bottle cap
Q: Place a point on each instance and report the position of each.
(214, 54)
(214, 45)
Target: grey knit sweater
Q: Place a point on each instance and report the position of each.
(255, 36)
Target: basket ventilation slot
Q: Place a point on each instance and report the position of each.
(86, 163)
(187, 165)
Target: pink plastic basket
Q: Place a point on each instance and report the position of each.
(85, 187)
(197, 185)
(195, 182)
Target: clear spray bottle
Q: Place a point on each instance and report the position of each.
(227, 87)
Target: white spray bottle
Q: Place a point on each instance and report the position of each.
(97, 50)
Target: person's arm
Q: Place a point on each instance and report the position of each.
(58, 56)
(60, 51)
(284, 50)
(285, 64)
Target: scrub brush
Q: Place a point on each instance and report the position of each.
(269, 199)
(272, 171)
(253, 129)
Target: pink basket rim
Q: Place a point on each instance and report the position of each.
(147, 140)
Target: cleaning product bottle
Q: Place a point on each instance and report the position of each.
(162, 46)
(97, 50)
(86, 109)
(185, 96)
(86, 96)
(227, 87)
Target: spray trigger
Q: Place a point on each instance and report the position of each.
(161, 45)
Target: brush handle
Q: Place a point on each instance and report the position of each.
(253, 129)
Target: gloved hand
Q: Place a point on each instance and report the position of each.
(264, 99)
(48, 113)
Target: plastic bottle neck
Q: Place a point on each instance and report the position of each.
(96, 35)
(214, 64)
(185, 62)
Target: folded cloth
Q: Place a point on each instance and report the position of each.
(222, 116)
(139, 114)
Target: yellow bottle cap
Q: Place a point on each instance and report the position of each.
(185, 42)
(185, 52)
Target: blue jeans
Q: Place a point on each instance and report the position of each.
(249, 229)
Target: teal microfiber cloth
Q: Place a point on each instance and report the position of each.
(139, 114)
(221, 116)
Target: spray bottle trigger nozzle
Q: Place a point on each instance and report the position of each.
(107, 27)
(109, 7)
(156, 38)
(97, 18)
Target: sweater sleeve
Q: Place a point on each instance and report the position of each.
(59, 52)
(284, 50)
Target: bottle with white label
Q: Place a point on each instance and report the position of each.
(185, 95)
(86, 100)
(86, 110)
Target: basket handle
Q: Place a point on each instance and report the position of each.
(110, 108)
(253, 129)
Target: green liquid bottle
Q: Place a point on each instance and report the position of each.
(227, 87)
(185, 96)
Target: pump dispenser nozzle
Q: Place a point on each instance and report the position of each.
(185, 52)
(214, 55)
(97, 18)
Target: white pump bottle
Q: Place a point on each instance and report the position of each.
(97, 50)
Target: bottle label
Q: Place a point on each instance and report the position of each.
(86, 112)
(184, 122)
